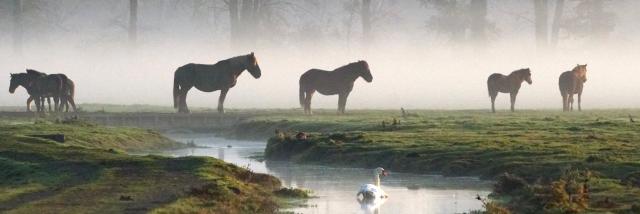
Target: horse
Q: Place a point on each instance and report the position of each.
(208, 78)
(570, 83)
(44, 85)
(40, 86)
(339, 81)
(24, 80)
(507, 84)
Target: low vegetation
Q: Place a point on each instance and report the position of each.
(91, 173)
(558, 162)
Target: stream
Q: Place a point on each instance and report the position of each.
(335, 188)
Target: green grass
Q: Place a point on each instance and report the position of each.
(536, 145)
(90, 173)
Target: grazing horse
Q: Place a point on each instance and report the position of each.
(507, 84)
(208, 78)
(570, 83)
(339, 81)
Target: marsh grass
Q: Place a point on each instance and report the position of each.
(534, 145)
(91, 173)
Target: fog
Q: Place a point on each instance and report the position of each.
(414, 65)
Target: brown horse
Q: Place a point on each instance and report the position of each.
(208, 78)
(40, 86)
(339, 81)
(26, 81)
(507, 84)
(58, 86)
(570, 83)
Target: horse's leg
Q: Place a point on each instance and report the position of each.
(513, 100)
(29, 103)
(342, 102)
(307, 102)
(580, 101)
(56, 101)
(564, 102)
(223, 94)
(570, 102)
(182, 107)
(493, 103)
(49, 103)
(72, 102)
(37, 99)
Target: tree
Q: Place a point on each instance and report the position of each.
(460, 21)
(591, 20)
(17, 26)
(478, 22)
(555, 26)
(365, 15)
(541, 22)
(133, 21)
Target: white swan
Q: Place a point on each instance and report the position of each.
(373, 191)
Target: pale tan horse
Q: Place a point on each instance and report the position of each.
(570, 83)
(507, 84)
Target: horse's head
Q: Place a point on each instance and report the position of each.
(252, 66)
(17, 80)
(365, 73)
(527, 75)
(581, 72)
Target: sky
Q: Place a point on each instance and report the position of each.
(413, 65)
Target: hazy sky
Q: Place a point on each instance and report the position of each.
(412, 66)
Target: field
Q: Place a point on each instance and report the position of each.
(91, 173)
(556, 162)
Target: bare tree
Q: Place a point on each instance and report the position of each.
(460, 21)
(478, 22)
(133, 21)
(555, 26)
(365, 15)
(17, 26)
(591, 20)
(541, 22)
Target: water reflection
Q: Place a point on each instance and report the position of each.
(336, 188)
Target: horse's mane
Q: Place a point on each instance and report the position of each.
(231, 60)
(520, 71)
(344, 67)
(34, 72)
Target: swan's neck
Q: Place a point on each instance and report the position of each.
(376, 179)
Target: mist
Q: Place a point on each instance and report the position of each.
(415, 63)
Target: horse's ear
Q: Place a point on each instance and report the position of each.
(585, 65)
(251, 53)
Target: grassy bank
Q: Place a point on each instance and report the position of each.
(90, 172)
(597, 150)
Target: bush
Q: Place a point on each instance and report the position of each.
(508, 183)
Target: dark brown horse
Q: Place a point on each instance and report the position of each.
(208, 78)
(25, 80)
(40, 86)
(507, 84)
(570, 83)
(339, 81)
(58, 86)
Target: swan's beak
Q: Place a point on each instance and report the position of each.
(385, 172)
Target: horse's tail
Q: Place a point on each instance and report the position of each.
(71, 87)
(301, 95)
(176, 89)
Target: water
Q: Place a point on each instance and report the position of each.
(336, 187)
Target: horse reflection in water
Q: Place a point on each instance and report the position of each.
(371, 205)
